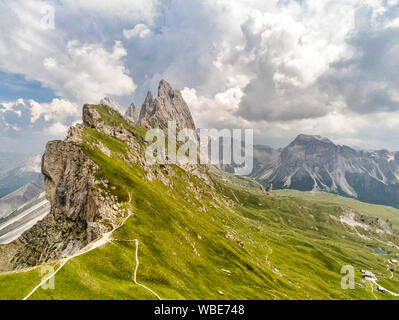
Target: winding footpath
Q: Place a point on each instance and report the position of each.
(374, 281)
(94, 245)
(105, 239)
(386, 290)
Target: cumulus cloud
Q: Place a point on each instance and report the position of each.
(281, 67)
(57, 110)
(23, 118)
(89, 73)
(368, 80)
(75, 67)
(57, 129)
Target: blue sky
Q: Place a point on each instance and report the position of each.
(15, 86)
(278, 67)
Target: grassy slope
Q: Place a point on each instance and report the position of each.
(294, 248)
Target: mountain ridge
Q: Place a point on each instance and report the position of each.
(83, 204)
(316, 163)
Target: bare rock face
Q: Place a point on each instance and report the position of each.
(133, 113)
(75, 208)
(69, 181)
(80, 210)
(169, 105)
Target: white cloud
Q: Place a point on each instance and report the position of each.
(140, 30)
(89, 73)
(57, 129)
(23, 118)
(57, 110)
(220, 110)
(80, 71)
(127, 10)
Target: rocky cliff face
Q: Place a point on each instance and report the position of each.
(133, 113)
(80, 211)
(69, 183)
(169, 105)
(316, 163)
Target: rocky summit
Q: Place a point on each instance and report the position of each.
(169, 105)
(80, 210)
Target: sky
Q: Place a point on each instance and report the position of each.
(279, 67)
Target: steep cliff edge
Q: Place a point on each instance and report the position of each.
(80, 210)
(88, 196)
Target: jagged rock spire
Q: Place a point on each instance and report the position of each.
(133, 113)
(169, 105)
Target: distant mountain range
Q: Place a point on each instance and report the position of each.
(22, 198)
(17, 170)
(14, 200)
(316, 163)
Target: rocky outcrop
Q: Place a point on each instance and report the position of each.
(133, 113)
(83, 207)
(169, 105)
(80, 210)
(71, 225)
(92, 119)
(68, 180)
(107, 101)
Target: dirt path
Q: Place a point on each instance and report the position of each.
(372, 289)
(94, 245)
(91, 246)
(389, 269)
(137, 266)
(386, 290)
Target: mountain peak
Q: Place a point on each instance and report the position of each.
(305, 138)
(163, 84)
(169, 105)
